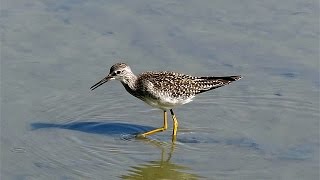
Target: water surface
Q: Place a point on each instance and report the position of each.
(265, 126)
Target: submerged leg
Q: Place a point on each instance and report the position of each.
(175, 125)
(165, 126)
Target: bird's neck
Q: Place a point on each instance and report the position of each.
(129, 82)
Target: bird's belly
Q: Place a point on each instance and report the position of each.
(166, 103)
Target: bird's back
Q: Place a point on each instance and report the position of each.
(179, 86)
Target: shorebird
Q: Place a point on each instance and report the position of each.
(163, 90)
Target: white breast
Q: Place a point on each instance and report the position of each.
(166, 102)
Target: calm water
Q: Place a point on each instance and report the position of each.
(265, 126)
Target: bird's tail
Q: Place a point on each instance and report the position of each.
(223, 78)
(213, 82)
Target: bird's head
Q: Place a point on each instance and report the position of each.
(118, 71)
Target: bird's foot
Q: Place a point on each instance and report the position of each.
(141, 136)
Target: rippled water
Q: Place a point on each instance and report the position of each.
(265, 126)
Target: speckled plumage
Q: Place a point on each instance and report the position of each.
(164, 90)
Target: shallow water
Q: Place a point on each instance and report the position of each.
(265, 126)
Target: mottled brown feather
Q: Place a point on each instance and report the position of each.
(179, 85)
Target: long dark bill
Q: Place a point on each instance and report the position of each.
(104, 80)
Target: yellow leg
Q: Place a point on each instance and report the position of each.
(165, 126)
(175, 125)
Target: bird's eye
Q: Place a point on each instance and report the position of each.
(118, 72)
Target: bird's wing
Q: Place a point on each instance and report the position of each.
(181, 85)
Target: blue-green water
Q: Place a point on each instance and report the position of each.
(265, 126)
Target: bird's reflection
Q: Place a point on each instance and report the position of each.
(163, 168)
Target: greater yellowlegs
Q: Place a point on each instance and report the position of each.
(164, 90)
